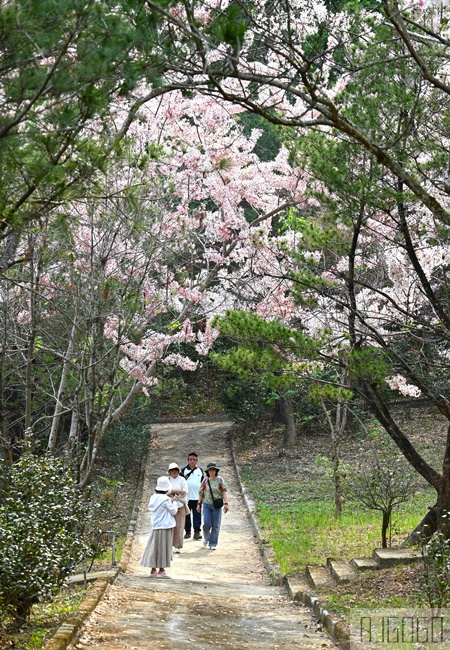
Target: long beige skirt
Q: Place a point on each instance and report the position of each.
(158, 552)
(178, 531)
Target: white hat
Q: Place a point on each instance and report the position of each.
(163, 484)
(173, 466)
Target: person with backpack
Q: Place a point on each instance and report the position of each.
(194, 476)
(213, 496)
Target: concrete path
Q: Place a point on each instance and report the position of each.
(215, 599)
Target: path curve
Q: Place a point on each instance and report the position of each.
(216, 599)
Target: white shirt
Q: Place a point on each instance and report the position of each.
(163, 511)
(180, 484)
(194, 482)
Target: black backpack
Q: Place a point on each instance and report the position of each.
(186, 474)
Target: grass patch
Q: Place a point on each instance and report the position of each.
(301, 527)
(43, 622)
(294, 499)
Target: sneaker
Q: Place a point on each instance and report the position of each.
(212, 548)
(176, 550)
(153, 574)
(188, 536)
(162, 574)
(205, 542)
(197, 536)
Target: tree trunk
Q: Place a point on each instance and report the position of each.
(443, 502)
(5, 445)
(384, 527)
(337, 430)
(284, 413)
(423, 531)
(440, 481)
(34, 268)
(338, 501)
(53, 437)
(381, 411)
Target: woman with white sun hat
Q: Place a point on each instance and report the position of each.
(178, 488)
(163, 508)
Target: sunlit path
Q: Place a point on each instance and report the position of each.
(218, 599)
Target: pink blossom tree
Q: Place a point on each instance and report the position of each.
(370, 277)
(375, 80)
(61, 68)
(181, 231)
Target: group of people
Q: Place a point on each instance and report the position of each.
(176, 508)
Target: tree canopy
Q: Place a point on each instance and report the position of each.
(137, 203)
(63, 66)
(362, 88)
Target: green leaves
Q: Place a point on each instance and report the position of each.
(268, 349)
(251, 329)
(230, 27)
(42, 514)
(61, 67)
(369, 364)
(320, 392)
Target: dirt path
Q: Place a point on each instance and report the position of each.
(216, 599)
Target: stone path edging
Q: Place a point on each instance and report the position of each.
(297, 590)
(67, 632)
(273, 569)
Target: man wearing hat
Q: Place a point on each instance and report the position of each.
(213, 489)
(179, 488)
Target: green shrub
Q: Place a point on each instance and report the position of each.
(125, 443)
(245, 401)
(436, 572)
(123, 446)
(42, 514)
